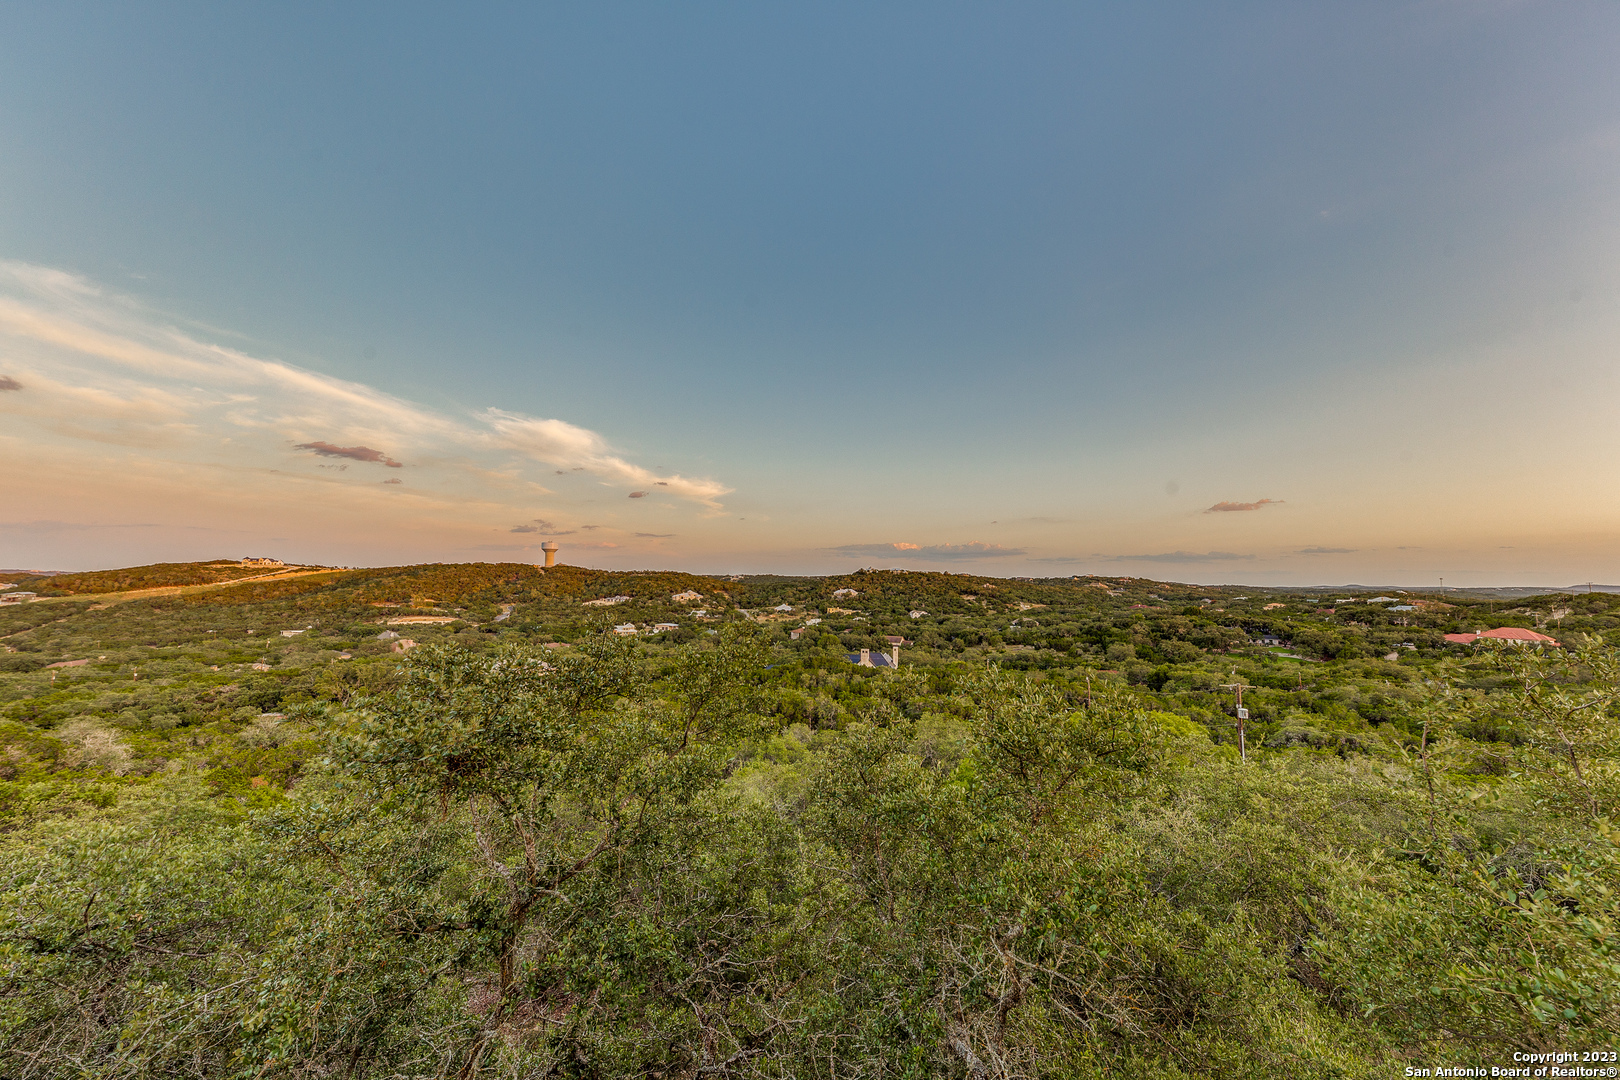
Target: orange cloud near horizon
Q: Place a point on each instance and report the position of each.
(353, 453)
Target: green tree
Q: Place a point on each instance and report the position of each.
(556, 772)
(1566, 701)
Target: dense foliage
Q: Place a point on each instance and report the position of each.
(533, 847)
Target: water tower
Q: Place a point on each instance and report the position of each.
(550, 548)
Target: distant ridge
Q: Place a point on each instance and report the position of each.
(1510, 592)
(1484, 592)
(211, 572)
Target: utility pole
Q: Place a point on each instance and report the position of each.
(1242, 714)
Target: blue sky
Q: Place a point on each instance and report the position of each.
(1016, 289)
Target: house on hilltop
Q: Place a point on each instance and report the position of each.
(263, 562)
(868, 658)
(684, 597)
(1512, 635)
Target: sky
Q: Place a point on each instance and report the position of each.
(1261, 293)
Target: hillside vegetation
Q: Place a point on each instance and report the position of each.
(275, 829)
(155, 576)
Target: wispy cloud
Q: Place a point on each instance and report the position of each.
(98, 345)
(559, 443)
(930, 552)
(73, 526)
(101, 368)
(1183, 557)
(1324, 551)
(1226, 507)
(655, 536)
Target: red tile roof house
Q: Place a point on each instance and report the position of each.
(1513, 635)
